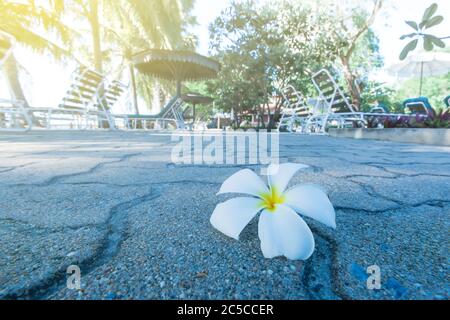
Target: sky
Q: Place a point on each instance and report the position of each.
(46, 81)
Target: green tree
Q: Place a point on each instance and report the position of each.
(119, 27)
(240, 40)
(158, 24)
(358, 42)
(31, 26)
(434, 88)
(136, 23)
(265, 47)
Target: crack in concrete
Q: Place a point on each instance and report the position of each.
(327, 258)
(143, 183)
(95, 225)
(30, 227)
(213, 166)
(437, 203)
(57, 178)
(9, 169)
(116, 224)
(115, 234)
(398, 176)
(115, 228)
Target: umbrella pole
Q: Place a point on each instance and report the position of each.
(421, 78)
(193, 114)
(178, 88)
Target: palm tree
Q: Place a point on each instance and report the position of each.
(159, 24)
(132, 26)
(129, 26)
(21, 19)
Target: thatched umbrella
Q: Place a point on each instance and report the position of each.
(421, 65)
(176, 65)
(195, 99)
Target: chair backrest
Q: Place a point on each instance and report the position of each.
(330, 92)
(167, 110)
(420, 105)
(294, 101)
(84, 87)
(447, 101)
(377, 110)
(174, 109)
(110, 94)
(7, 43)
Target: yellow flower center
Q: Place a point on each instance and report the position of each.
(270, 200)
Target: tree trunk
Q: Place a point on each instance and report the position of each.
(11, 72)
(133, 89)
(95, 28)
(350, 78)
(269, 119)
(97, 51)
(354, 89)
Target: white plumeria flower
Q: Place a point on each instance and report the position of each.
(281, 230)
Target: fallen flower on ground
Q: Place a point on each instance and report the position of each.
(281, 230)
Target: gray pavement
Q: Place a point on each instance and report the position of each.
(138, 225)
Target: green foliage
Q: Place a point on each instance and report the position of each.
(378, 93)
(21, 20)
(429, 20)
(126, 27)
(367, 55)
(434, 88)
(264, 47)
(438, 119)
(139, 25)
(203, 112)
(244, 41)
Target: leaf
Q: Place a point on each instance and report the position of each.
(408, 36)
(436, 41)
(434, 21)
(429, 12)
(408, 48)
(413, 25)
(428, 44)
(422, 24)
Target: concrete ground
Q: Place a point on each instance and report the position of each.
(138, 227)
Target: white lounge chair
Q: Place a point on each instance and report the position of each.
(13, 116)
(112, 93)
(294, 112)
(171, 116)
(79, 108)
(340, 112)
(115, 91)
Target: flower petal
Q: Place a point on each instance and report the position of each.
(279, 175)
(244, 181)
(231, 217)
(284, 233)
(311, 201)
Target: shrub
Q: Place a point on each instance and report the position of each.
(436, 119)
